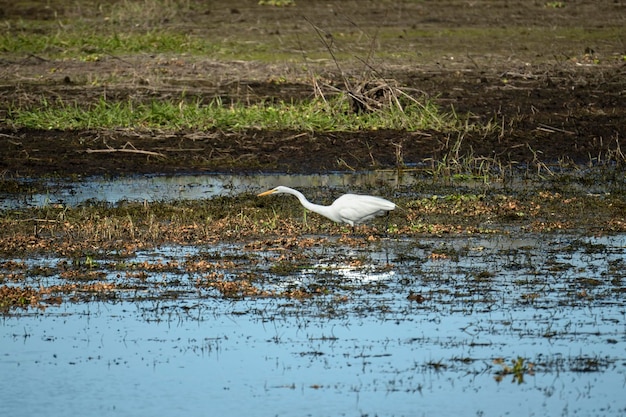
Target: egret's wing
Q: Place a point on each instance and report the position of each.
(355, 208)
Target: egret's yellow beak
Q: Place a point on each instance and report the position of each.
(268, 192)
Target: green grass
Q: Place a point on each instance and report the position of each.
(69, 30)
(315, 115)
(76, 45)
(77, 40)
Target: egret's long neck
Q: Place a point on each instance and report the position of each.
(317, 208)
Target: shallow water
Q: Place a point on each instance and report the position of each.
(152, 188)
(190, 187)
(360, 347)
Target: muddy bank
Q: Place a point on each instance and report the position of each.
(549, 115)
(550, 76)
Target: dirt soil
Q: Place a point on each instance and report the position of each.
(554, 99)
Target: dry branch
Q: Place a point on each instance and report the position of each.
(124, 149)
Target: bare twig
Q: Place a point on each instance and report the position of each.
(553, 129)
(124, 149)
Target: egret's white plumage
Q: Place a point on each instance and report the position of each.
(349, 208)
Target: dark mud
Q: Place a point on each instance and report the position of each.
(552, 78)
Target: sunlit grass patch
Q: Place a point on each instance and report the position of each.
(314, 115)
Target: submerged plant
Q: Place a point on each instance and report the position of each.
(518, 368)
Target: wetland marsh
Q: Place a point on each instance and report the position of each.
(140, 274)
(501, 301)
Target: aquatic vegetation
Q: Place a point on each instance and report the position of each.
(518, 368)
(18, 297)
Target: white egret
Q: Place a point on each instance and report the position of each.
(349, 208)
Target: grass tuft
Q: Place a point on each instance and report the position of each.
(315, 115)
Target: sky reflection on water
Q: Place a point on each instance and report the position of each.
(376, 353)
(190, 187)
